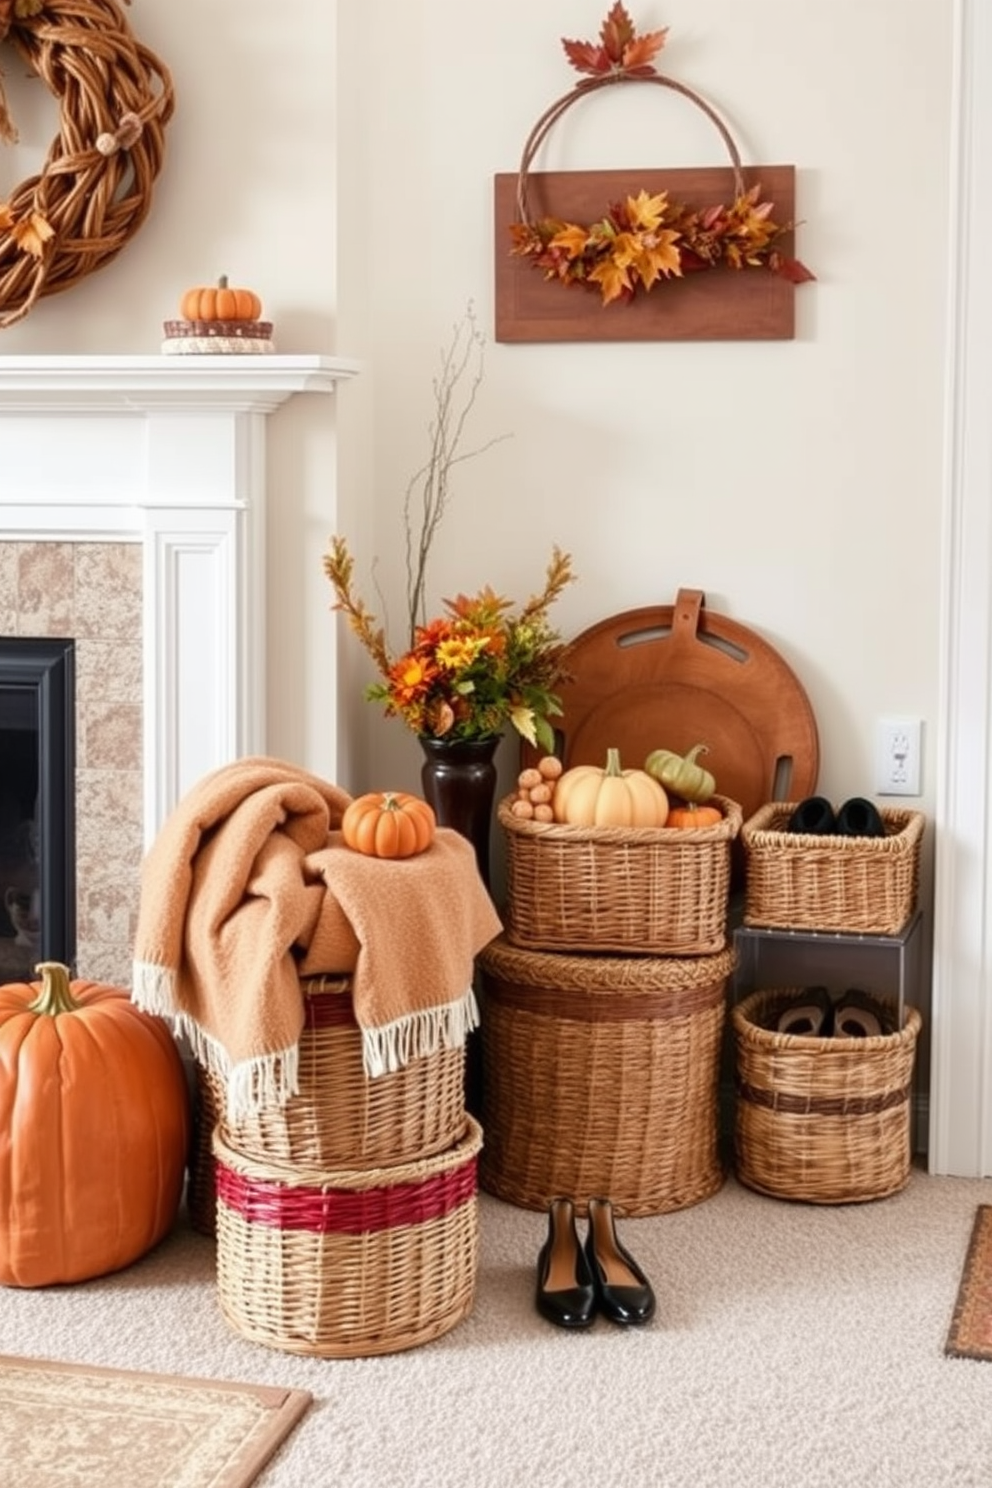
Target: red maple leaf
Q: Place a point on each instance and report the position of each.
(619, 49)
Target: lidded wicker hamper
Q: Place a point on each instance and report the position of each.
(601, 1077)
(846, 885)
(825, 1120)
(340, 1118)
(347, 1263)
(649, 891)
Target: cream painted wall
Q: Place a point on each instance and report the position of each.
(798, 484)
(342, 164)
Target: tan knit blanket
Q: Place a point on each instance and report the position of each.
(248, 887)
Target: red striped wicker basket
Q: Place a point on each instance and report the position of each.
(601, 1077)
(349, 1263)
(340, 1117)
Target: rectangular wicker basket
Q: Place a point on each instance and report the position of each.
(848, 885)
(825, 1120)
(601, 1077)
(340, 1118)
(350, 1263)
(650, 891)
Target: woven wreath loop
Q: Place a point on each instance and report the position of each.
(95, 186)
(644, 240)
(552, 114)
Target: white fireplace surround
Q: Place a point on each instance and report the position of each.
(168, 452)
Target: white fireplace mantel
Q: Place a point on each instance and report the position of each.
(169, 452)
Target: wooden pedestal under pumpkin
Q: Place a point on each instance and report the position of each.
(94, 1114)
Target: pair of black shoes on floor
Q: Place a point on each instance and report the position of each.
(856, 818)
(576, 1281)
(814, 1014)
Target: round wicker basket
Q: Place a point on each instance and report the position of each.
(350, 1263)
(600, 1076)
(339, 1117)
(825, 1120)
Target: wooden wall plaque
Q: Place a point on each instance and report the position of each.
(720, 304)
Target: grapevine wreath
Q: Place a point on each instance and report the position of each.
(95, 186)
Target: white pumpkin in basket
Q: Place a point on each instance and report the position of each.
(609, 796)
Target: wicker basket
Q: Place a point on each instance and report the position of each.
(340, 1117)
(350, 1263)
(850, 885)
(651, 891)
(825, 1120)
(600, 1076)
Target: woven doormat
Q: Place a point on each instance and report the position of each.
(970, 1335)
(69, 1424)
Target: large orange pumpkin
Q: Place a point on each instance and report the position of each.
(388, 824)
(94, 1129)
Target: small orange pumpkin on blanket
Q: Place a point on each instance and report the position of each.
(388, 824)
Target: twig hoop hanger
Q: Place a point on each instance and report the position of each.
(95, 186)
(553, 113)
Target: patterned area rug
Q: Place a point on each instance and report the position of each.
(970, 1335)
(68, 1425)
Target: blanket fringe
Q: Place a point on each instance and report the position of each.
(250, 1086)
(393, 1045)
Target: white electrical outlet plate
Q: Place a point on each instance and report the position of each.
(897, 756)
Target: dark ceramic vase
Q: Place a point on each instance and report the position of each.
(459, 781)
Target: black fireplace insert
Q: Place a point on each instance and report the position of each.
(37, 805)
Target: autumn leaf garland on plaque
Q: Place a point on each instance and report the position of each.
(645, 240)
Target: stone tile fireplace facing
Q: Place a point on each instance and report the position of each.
(107, 539)
(91, 593)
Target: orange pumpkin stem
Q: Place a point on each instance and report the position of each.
(55, 996)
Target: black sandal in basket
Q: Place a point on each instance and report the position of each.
(811, 1014)
(857, 1016)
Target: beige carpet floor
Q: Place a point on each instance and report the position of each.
(795, 1346)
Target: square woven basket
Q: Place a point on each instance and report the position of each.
(848, 885)
(349, 1263)
(339, 1117)
(600, 1076)
(825, 1120)
(648, 891)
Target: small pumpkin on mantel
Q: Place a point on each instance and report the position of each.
(95, 1116)
(220, 302)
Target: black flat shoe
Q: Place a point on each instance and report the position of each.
(815, 815)
(811, 1014)
(565, 1292)
(623, 1292)
(859, 818)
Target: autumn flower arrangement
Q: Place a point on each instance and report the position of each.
(474, 669)
(645, 239)
(482, 664)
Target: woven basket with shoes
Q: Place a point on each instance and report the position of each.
(846, 885)
(347, 1263)
(822, 1119)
